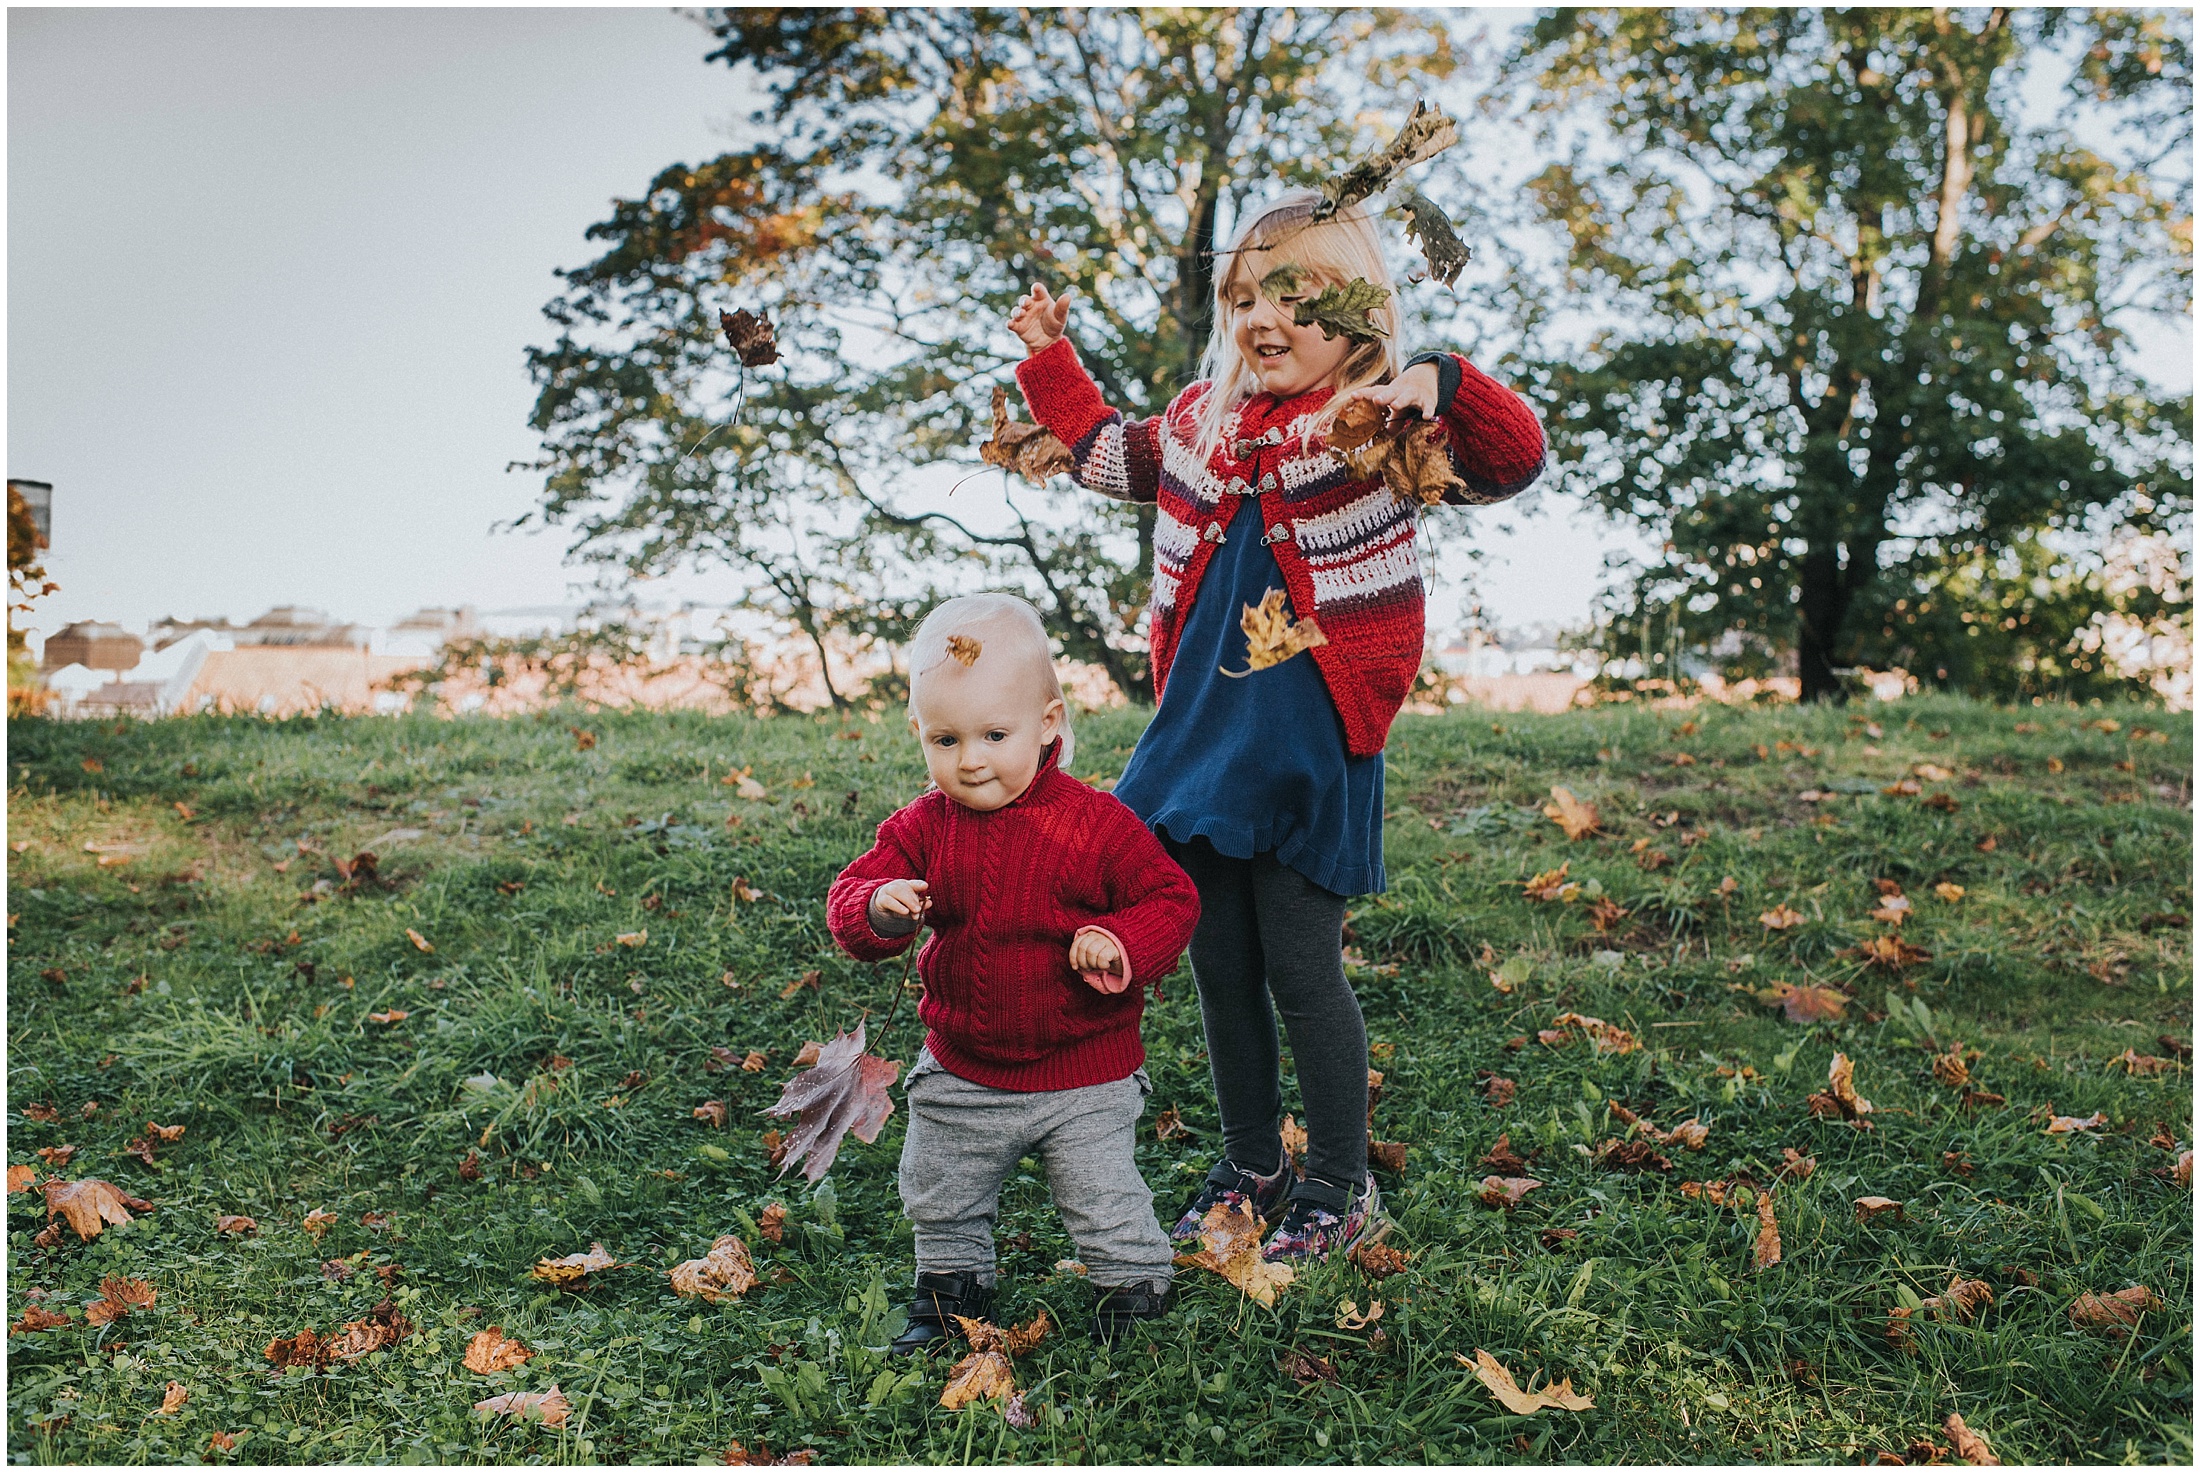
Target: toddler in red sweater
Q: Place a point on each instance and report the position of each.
(1051, 908)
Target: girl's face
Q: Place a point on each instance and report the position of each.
(1286, 359)
(983, 737)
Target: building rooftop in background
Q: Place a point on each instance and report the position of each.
(95, 646)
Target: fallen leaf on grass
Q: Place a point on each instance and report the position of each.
(21, 1178)
(807, 979)
(90, 1205)
(419, 941)
(42, 1112)
(1304, 1366)
(772, 1222)
(1893, 910)
(979, 1376)
(37, 1317)
(1496, 1089)
(1553, 1239)
(1804, 1004)
(1961, 1301)
(306, 1348)
(1766, 1251)
(1378, 1260)
(2181, 1173)
(1890, 952)
(1616, 1155)
(1350, 1317)
(548, 1407)
(844, 1093)
(1951, 1069)
(1949, 892)
(1550, 885)
(1504, 1160)
(713, 1112)
(117, 1297)
(172, 1400)
(1389, 1155)
(2135, 1063)
(392, 1015)
(55, 1156)
(1229, 1237)
(2115, 1313)
(723, 1273)
(1840, 1099)
(2071, 1124)
(224, 1442)
(1970, 1446)
(632, 938)
(738, 1456)
(382, 1328)
(1506, 1191)
(235, 1225)
(1577, 819)
(1603, 1037)
(1868, 1208)
(574, 1266)
(1169, 1123)
(1796, 1166)
(1520, 1403)
(1781, 918)
(1981, 1099)
(489, 1352)
(1272, 636)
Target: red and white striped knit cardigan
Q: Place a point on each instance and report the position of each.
(1347, 547)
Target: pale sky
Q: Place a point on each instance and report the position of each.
(272, 274)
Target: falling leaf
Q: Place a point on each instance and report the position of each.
(750, 336)
(1229, 1237)
(21, 1178)
(117, 1297)
(1550, 884)
(1506, 1191)
(172, 1400)
(1344, 310)
(1766, 1253)
(235, 1225)
(723, 1273)
(1520, 1403)
(772, 1222)
(1868, 1208)
(844, 1093)
(1575, 818)
(548, 1407)
(1430, 228)
(2115, 1313)
(1030, 450)
(1781, 918)
(1970, 1446)
(1428, 131)
(1417, 465)
(1804, 1004)
(979, 1376)
(90, 1205)
(574, 1266)
(2069, 1124)
(37, 1317)
(1271, 637)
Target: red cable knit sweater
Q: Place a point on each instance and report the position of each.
(1009, 889)
(1346, 547)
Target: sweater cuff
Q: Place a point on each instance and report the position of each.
(1059, 393)
(1108, 981)
(1448, 373)
(848, 917)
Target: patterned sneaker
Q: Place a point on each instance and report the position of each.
(1312, 1230)
(1228, 1185)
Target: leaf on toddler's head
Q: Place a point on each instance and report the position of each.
(965, 649)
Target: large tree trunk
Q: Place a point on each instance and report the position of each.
(1819, 615)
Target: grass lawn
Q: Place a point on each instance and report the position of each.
(214, 972)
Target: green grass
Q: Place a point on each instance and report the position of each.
(2070, 945)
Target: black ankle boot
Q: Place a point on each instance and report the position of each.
(1115, 1310)
(939, 1298)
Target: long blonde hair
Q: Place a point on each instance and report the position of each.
(1327, 252)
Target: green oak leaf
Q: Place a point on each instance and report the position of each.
(1344, 311)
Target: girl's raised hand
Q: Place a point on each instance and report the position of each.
(1040, 318)
(1410, 395)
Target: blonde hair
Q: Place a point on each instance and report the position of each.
(1326, 252)
(1002, 629)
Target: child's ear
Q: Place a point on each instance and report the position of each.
(1050, 721)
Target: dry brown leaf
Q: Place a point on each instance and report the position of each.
(1577, 819)
(1868, 1208)
(1766, 1252)
(382, 1328)
(1551, 885)
(1030, 450)
(1796, 1166)
(1604, 1037)
(632, 938)
(489, 1352)
(2182, 1172)
(1961, 1301)
(1840, 1098)
(1981, 1099)
(318, 1222)
(1781, 918)
(1272, 636)
(1303, 1366)
(41, 1111)
(1492, 1374)
(812, 980)
(738, 1456)
(117, 1297)
(844, 1093)
(1804, 1004)
(236, 1225)
(1951, 1069)
(723, 1273)
(1504, 1160)
(1970, 1446)
(172, 1400)
(1229, 1239)
(1357, 423)
(979, 1376)
(1893, 910)
(1615, 1155)
(393, 1015)
(754, 1060)
(1949, 891)
(37, 1317)
(55, 1156)
(224, 1442)
(548, 1407)
(965, 649)
(574, 1266)
(2071, 1124)
(90, 1205)
(1496, 1089)
(2136, 1063)
(1689, 1135)
(2115, 1313)
(1506, 1191)
(1350, 1317)
(1419, 467)
(712, 1112)
(419, 941)
(1378, 1260)
(21, 1178)
(1169, 1124)
(306, 1348)
(1389, 1155)
(772, 1222)
(1891, 952)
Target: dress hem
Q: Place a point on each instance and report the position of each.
(1229, 838)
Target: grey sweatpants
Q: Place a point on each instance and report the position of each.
(964, 1140)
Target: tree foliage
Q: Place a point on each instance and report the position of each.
(1859, 361)
(918, 169)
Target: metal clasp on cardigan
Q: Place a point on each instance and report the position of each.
(1277, 533)
(1214, 534)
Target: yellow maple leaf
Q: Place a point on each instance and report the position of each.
(1271, 636)
(979, 1376)
(1578, 819)
(1491, 1373)
(1230, 1246)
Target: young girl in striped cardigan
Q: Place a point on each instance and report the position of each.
(1264, 777)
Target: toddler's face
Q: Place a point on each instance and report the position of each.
(983, 736)
(1286, 359)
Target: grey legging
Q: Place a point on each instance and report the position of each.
(1266, 931)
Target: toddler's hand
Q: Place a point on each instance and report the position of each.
(1099, 960)
(903, 898)
(1411, 395)
(1040, 318)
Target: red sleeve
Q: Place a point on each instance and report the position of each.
(1114, 456)
(899, 854)
(1153, 906)
(1496, 440)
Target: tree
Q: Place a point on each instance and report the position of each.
(918, 169)
(1860, 324)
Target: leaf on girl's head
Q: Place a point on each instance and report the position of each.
(574, 1267)
(489, 1352)
(1428, 131)
(1282, 281)
(723, 1273)
(1491, 1373)
(1811, 1004)
(965, 649)
(90, 1205)
(1506, 1191)
(2114, 1313)
(1271, 636)
(1577, 819)
(982, 1375)
(1430, 228)
(844, 1093)
(1030, 450)
(1345, 311)
(1766, 1251)
(750, 337)
(547, 1407)
(2071, 1124)
(1781, 918)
